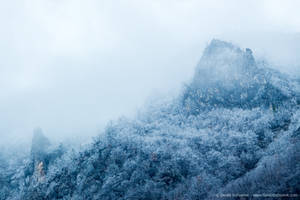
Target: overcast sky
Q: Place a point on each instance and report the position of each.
(69, 66)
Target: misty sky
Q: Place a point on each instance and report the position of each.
(69, 66)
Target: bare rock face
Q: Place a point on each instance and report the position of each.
(39, 145)
(226, 63)
(39, 154)
(229, 77)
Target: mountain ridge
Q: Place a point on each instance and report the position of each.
(208, 141)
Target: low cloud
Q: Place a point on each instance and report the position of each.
(70, 66)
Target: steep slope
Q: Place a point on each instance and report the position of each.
(227, 76)
(231, 127)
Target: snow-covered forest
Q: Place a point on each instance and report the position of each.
(234, 129)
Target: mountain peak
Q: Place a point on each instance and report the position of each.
(223, 61)
(230, 77)
(216, 44)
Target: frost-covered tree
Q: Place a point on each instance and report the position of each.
(234, 129)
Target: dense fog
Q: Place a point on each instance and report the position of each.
(149, 99)
(71, 66)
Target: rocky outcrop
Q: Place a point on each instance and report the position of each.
(229, 77)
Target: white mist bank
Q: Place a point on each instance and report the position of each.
(69, 67)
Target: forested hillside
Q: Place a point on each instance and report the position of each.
(234, 129)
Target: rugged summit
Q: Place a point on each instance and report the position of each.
(229, 77)
(225, 63)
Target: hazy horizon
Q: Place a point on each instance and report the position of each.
(71, 66)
